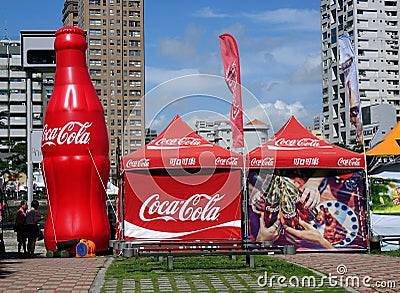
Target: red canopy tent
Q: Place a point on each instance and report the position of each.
(292, 161)
(180, 186)
(178, 146)
(293, 146)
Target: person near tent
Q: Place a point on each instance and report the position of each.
(3, 205)
(32, 228)
(19, 227)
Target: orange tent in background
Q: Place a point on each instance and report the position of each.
(385, 156)
(383, 168)
(390, 144)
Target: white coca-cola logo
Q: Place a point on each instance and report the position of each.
(231, 161)
(183, 141)
(73, 132)
(302, 142)
(231, 79)
(138, 163)
(265, 162)
(197, 207)
(352, 162)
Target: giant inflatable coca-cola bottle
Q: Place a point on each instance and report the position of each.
(75, 150)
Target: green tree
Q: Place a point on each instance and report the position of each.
(353, 146)
(18, 157)
(3, 118)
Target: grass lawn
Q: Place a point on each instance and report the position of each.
(394, 253)
(233, 275)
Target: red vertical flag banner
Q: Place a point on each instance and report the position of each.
(230, 58)
(348, 62)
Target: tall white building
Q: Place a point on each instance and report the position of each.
(373, 27)
(219, 132)
(13, 96)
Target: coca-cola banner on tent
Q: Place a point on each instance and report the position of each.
(335, 222)
(183, 206)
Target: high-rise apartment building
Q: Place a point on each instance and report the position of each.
(219, 132)
(13, 96)
(374, 29)
(115, 58)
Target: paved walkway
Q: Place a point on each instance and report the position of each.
(374, 273)
(46, 275)
(43, 274)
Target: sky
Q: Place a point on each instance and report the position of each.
(279, 48)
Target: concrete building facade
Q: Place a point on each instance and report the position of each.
(13, 96)
(219, 132)
(373, 27)
(115, 58)
(378, 120)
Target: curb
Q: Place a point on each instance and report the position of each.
(99, 280)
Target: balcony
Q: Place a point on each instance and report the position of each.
(37, 109)
(18, 109)
(18, 85)
(3, 133)
(36, 85)
(15, 62)
(17, 74)
(17, 97)
(36, 97)
(18, 132)
(17, 121)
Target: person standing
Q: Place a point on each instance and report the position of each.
(20, 226)
(32, 228)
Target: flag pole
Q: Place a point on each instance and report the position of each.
(231, 62)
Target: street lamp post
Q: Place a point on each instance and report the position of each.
(37, 54)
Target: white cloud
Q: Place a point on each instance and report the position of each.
(293, 19)
(159, 122)
(208, 12)
(279, 64)
(187, 94)
(281, 19)
(155, 76)
(277, 113)
(184, 48)
(310, 71)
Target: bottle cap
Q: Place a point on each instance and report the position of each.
(70, 37)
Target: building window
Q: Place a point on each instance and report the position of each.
(94, 21)
(95, 32)
(94, 2)
(95, 41)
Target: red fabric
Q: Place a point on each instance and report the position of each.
(230, 58)
(293, 146)
(182, 206)
(178, 146)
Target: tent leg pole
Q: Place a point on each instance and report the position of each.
(122, 206)
(245, 207)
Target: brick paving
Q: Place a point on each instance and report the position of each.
(381, 273)
(46, 275)
(43, 274)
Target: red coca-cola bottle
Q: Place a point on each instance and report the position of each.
(272, 199)
(75, 150)
(294, 193)
(289, 212)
